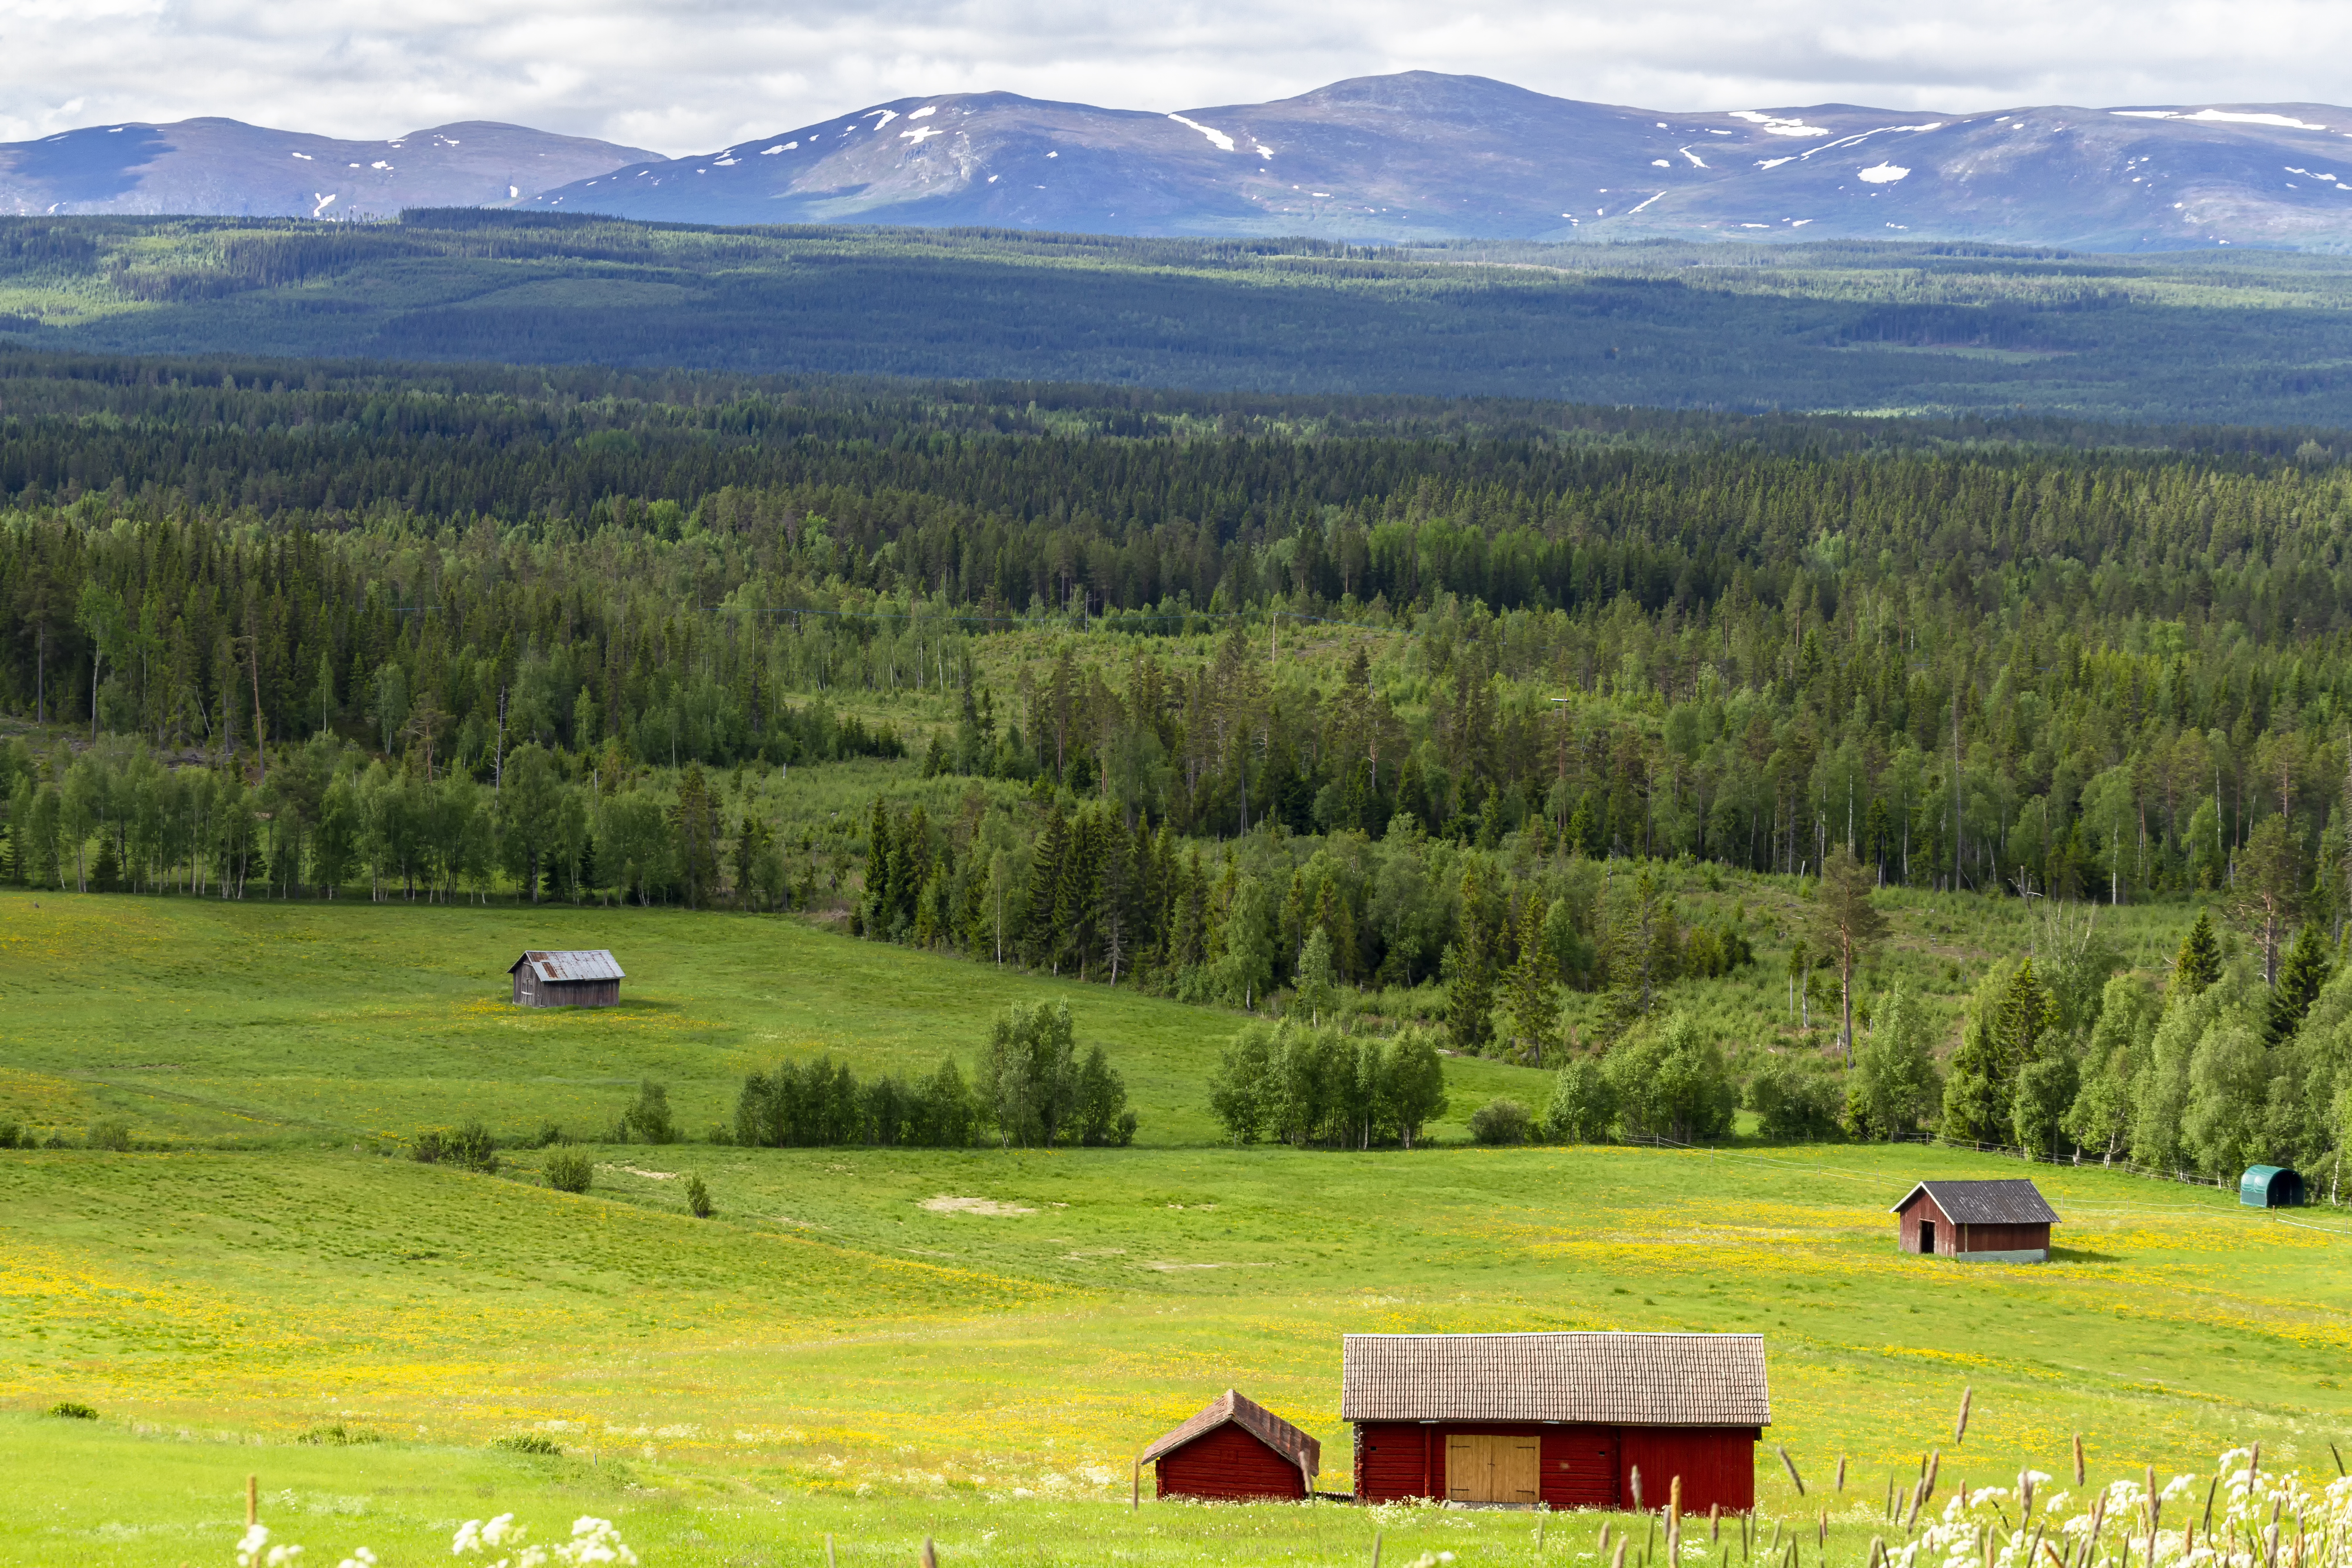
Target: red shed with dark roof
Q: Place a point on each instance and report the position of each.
(1568, 1420)
(1976, 1221)
(1234, 1449)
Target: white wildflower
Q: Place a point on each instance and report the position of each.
(360, 1557)
(284, 1556)
(248, 1550)
(595, 1540)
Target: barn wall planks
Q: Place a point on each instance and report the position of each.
(2002, 1237)
(530, 991)
(1717, 1464)
(1227, 1464)
(1583, 1466)
(1952, 1239)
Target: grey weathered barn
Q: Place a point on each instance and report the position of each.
(1976, 1221)
(578, 977)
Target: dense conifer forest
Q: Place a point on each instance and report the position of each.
(1456, 708)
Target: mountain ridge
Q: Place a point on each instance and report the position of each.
(1414, 157)
(216, 167)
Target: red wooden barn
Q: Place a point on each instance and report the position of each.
(1562, 1419)
(1234, 1449)
(1976, 1221)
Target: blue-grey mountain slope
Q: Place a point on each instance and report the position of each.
(1421, 156)
(225, 168)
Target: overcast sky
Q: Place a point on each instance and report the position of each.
(681, 76)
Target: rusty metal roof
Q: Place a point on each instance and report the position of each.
(1616, 1379)
(573, 964)
(2015, 1201)
(1230, 1408)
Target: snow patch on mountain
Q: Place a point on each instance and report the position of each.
(1775, 124)
(1218, 138)
(2221, 116)
(1883, 174)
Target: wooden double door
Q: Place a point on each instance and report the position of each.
(1494, 1467)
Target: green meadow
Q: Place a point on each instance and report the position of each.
(882, 1344)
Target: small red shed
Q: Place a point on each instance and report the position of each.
(1562, 1419)
(1976, 1221)
(1235, 1451)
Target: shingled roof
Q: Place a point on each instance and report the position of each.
(1614, 1379)
(575, 964)
(1231, 1407)
(2015, 1201)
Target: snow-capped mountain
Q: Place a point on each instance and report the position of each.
(1424, 156)
(227, 168)
(1411, 157)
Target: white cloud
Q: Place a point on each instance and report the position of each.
(693, 75)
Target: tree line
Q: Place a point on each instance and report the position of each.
(1033, 1088)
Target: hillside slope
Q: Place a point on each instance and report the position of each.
(2196, 338)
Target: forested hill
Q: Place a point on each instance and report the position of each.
(2133, 658)
(326, 443)
(2234, 336)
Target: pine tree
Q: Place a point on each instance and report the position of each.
(2301, 978)
(1847, 925)
(2198, 964)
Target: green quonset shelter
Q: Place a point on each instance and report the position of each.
(2271, 1187)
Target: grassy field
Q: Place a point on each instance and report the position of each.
(838, 1334)
(196, 1020)
(847, 1351)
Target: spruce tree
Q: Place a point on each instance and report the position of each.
(874, 913)
(1534, 994)
(2301, 978)
(2198, 964)
(1470, 971)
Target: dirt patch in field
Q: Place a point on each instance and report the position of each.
(1181, 1268)
(989, 1207)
